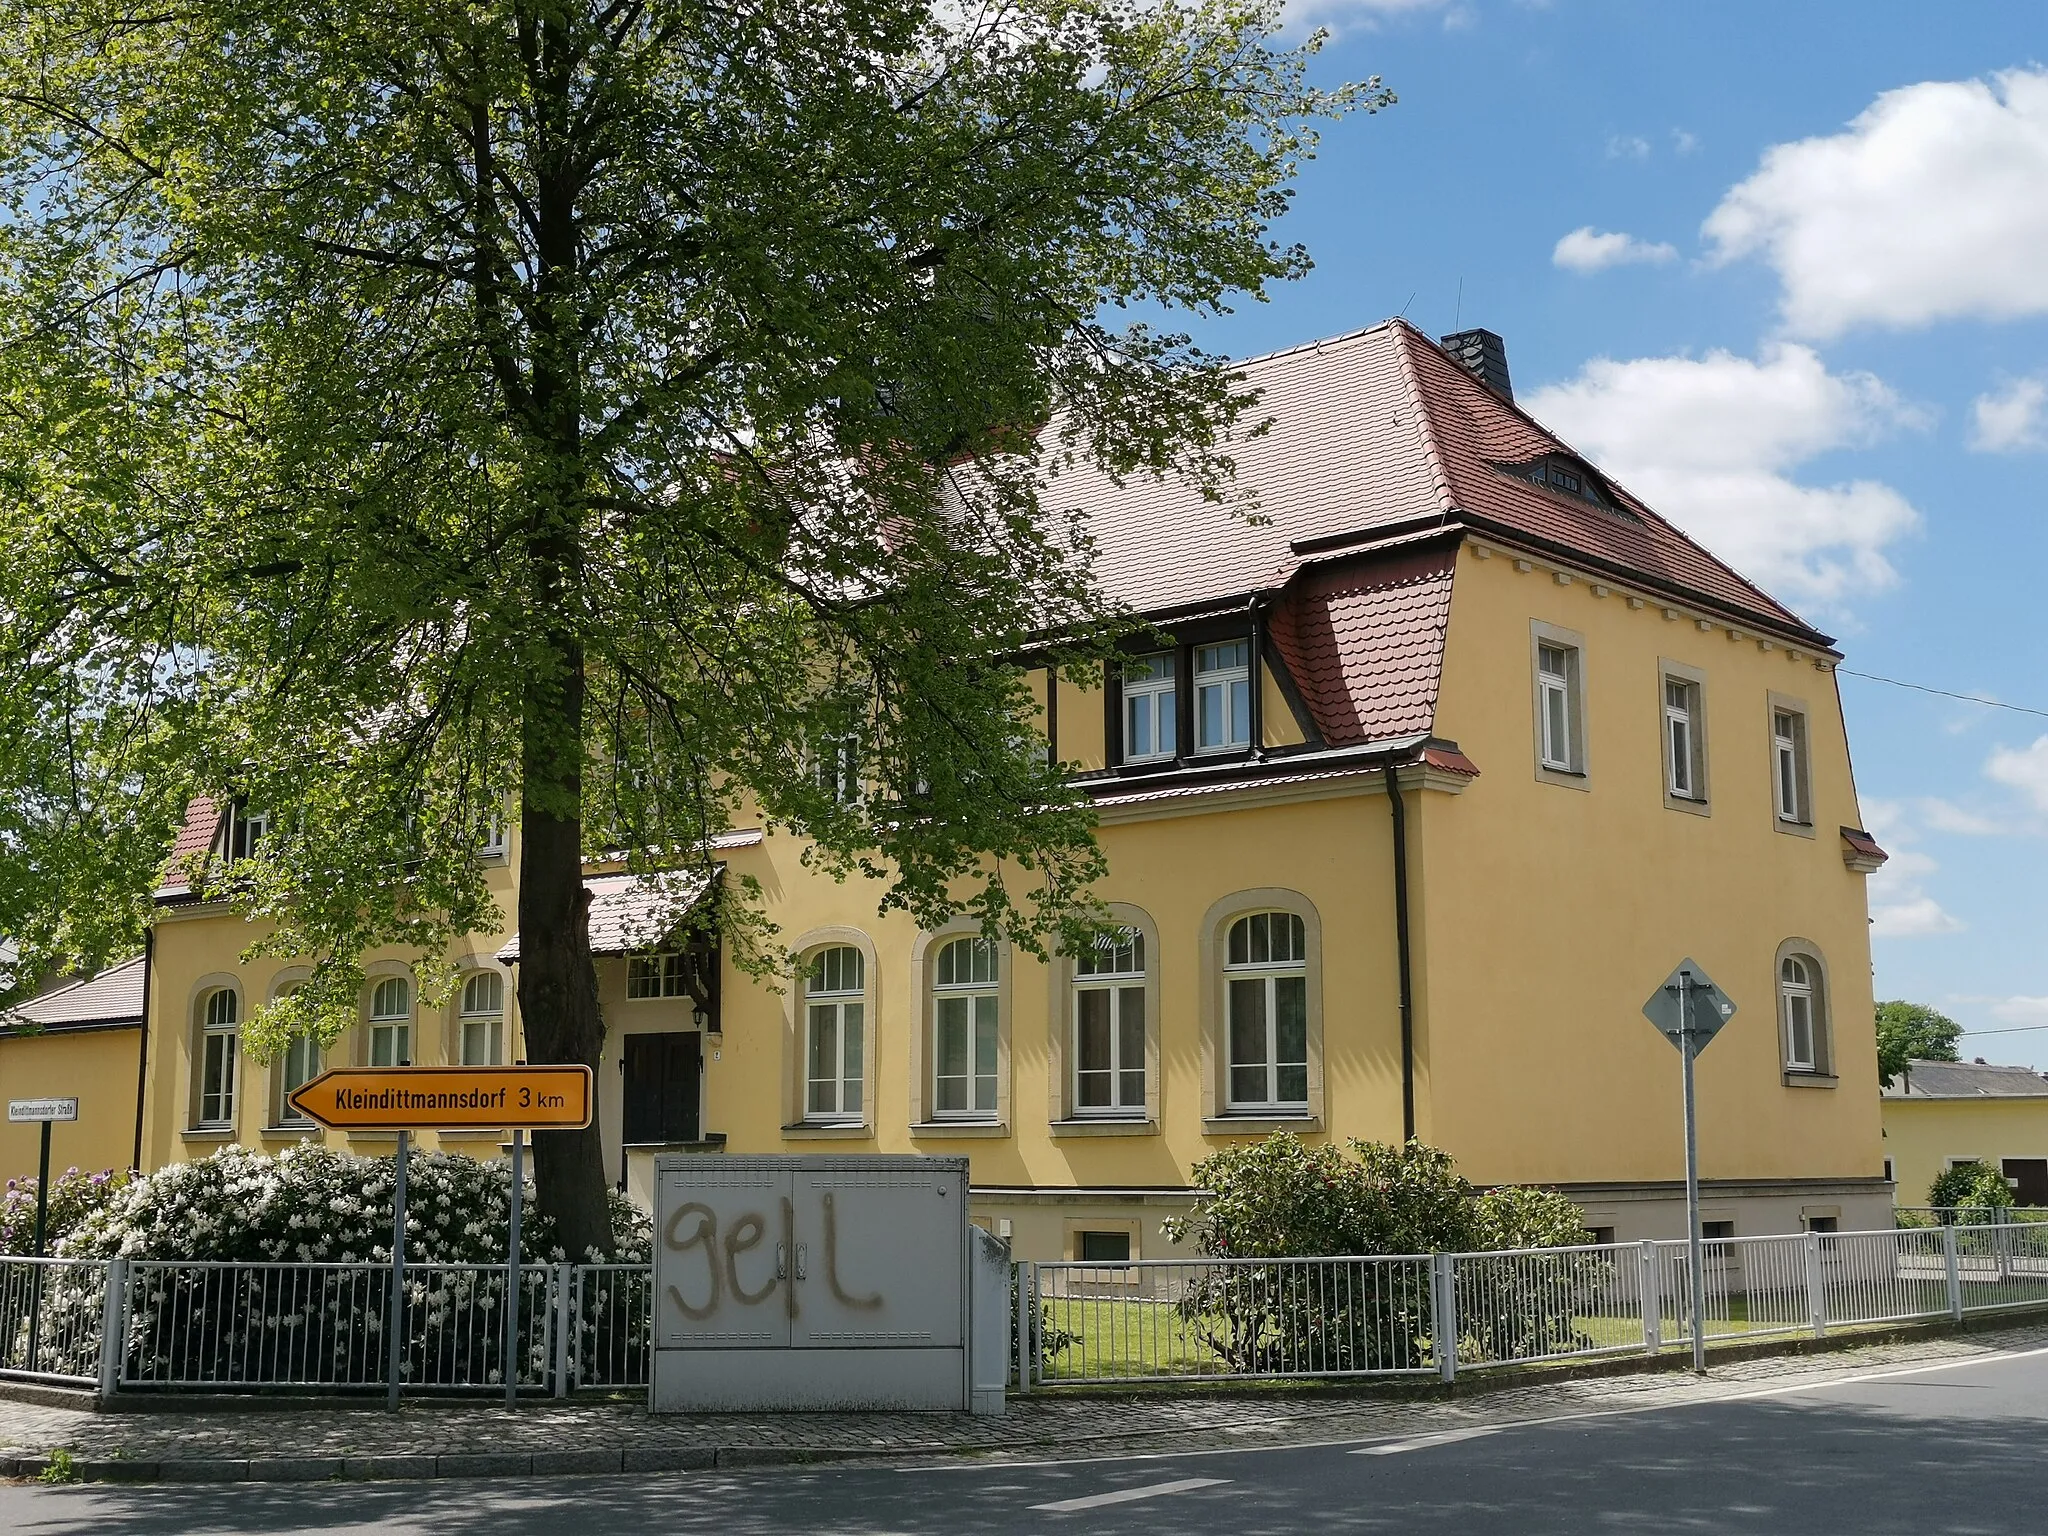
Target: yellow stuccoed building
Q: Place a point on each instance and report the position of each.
(1458, 750)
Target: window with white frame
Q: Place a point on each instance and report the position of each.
(1802, 1010)
(298, 1066)
(1685, 776)
(480, 1020)
(966, 1017)
(1109, 1026)
(246, 829)
(1265, 975)
(1788, 766)
(1151, 715)
(835, 765)
(220, 1016)
(391, 1022)
(1558, 707)
(665, 975)
(492, 838)
(835, 1033)
(1223, 696)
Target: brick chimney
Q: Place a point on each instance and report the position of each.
(1483, 355)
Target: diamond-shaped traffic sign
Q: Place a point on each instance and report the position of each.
(1708, 1005)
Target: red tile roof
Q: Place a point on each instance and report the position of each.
(1365, 645)
(188, 853)
(1375, 436)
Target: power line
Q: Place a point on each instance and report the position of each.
(2018, 1029)
(1967, 698)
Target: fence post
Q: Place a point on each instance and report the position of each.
(1444, 1306)
(1023, 1324)
(1653, 1300)
(565, 1324)
(1816, 1291)
(1955, 1273)
(113, 1328)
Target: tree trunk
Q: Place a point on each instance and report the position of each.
(557, 985)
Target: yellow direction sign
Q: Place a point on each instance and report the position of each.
(447, 1098)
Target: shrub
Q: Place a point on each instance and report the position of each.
(1282, 1198)
(311, 1204)
(1970, 1191)
(73, 1197)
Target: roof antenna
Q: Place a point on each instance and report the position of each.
(1404, 308)
(1460, 312)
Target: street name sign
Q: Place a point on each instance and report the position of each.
(546, 1098)
(1689, 990)
(29, 1111)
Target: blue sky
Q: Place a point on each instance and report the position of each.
(1784, 270)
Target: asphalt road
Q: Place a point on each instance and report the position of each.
(1958, 1449)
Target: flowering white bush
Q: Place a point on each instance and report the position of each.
(310, 1204)
(73, 1197)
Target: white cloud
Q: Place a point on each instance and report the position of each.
(2024, 769)
(1627, 146)
(2011, 418)
(1585, 250)
(1301, 15)
(1946, 816)
(2021, 1010)
(1900, 905)
(1711, 442)
(1931, 205)
(1684, 142)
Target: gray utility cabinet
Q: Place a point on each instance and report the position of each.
(838, 1281)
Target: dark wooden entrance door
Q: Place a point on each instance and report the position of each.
(2029, 1179)
(663, 1078)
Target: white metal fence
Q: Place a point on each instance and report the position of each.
(139, 1325)
(133, 1325)
(1163, 1320)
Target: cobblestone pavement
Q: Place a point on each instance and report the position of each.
(449, 1439)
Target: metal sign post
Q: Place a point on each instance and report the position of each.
(518, 1199)
(1690, 1010)
(396, 1355)
(44, 1112)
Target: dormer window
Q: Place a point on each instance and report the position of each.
(1556, 472)
(246, 829)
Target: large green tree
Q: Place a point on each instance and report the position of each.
(1912, 1032)
(627, 411)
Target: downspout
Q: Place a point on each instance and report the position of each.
(1256, 726)
(142, 1049)
(1400, 814)
(1052, 715)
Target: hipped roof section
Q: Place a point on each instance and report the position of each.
(1376, 436)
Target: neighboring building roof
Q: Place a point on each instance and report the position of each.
(1967, 1080)
(110, 1000)
(1377, 436)
(633, 913)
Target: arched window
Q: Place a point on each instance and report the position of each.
(220, 1015)
(299, 1065)
(481, 1024)
(1109, 1026)
(835, 1033)
(1265, 972)
(391, 1022)
(1803, 1012)
(966, 1030)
